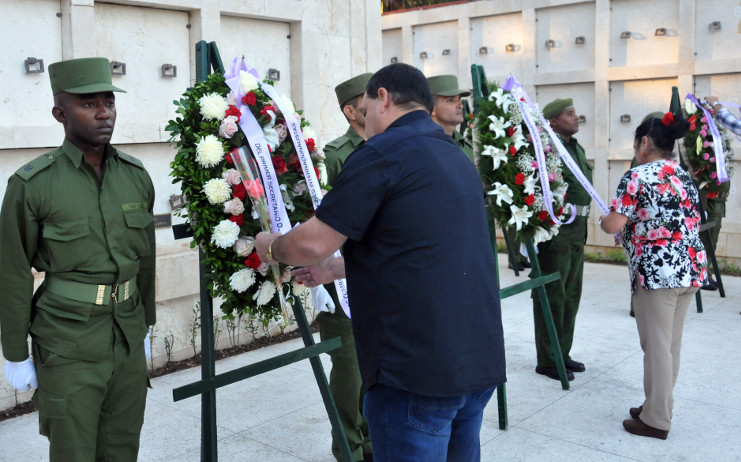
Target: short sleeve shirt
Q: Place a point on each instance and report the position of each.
(422, 283)
(661, 237)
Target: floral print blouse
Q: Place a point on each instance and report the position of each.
(661, 237)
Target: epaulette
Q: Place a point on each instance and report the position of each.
(130, 159)
(38, 164)
(338, 142)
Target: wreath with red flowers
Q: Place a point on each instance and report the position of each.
(700, 150)
(217, 207)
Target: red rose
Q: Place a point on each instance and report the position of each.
(519, 179)
(238, 219)
(253, 261)
(239, 191)
(559, 212)
(530, 199)
(233, 111)
(279, 165)
(311, 144)
(266, 109)
(250, 98)
(228, 158)
(711, 194)
(543, 215)
(511, 131)
(512, 150)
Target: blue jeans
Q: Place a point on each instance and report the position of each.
(408, 427)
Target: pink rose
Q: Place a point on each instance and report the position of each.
(244, 246)
(712, 159)
(551, 177)
(547, 148)
(704, 128)
(703, 133)
(705, 156)
(231, 100)
(713, 175)
(704, 119)
(282, 131)
(231, 176)
(318, 154)
(705, 144)
(228, 127)
(234, 206)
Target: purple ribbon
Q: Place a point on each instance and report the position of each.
(720, 155)
(511, 84)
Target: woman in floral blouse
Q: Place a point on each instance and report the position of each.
(655, 208)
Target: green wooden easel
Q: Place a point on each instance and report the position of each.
(537, 281)
(208, 58)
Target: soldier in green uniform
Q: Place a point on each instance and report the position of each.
(82, 214)
(448, 110)
(344, 379)
(565, 252)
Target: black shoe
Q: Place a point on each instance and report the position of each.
(574, 366)
(526, 264)
(636, 411)
(552, 372)
(517, 267)
(632, 314)
(710, 285)
(637, 427)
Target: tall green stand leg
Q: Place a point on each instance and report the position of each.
(208, 370)
(543, 297)
(321, 381)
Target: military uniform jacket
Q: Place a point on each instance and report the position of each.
(464, 143)
(576, 231)
(337, 151)
(58, 217)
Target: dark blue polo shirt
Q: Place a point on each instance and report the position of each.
(421, 280)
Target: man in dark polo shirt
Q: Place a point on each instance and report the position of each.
(408, 207)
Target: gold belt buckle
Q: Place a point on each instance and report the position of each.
(114, 293)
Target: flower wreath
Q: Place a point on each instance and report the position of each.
(509, 169)
(700, 151)
(217, 208)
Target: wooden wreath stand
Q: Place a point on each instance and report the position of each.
(207, 58)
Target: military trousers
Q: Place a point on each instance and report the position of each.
(565, 257)
(515, 256)
(345, 383)
(92, 410)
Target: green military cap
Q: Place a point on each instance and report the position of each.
(349, 89)
(446, 85)
(556, 107)
(83, 75)
(653, 115)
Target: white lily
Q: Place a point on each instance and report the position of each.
(530, 183)
(496, 95)
(520, 216)
(689, 106)
(502, 192)
(499, 156)
(519, 139)
(541, 235)
(497, 125)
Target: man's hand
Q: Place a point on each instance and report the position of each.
(321, 299)
(323, 273)
(21, 375)
(262, 242)
(147, 347)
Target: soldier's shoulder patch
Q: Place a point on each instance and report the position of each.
(38, 164)
(130, 159)
(338, 143)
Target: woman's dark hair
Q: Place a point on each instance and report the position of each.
(663, 132)
(406, 85)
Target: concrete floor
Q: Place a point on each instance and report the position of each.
(279, 416)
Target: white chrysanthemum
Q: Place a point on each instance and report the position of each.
(265, 293)
(217, 191)
(247, 81)
(298, 289)
(309, 133)
(209, 151)
(289, 103)
(225, 234)
(242, 280)
(213, 106)
(323, 177)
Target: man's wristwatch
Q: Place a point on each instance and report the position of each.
(270, 251)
